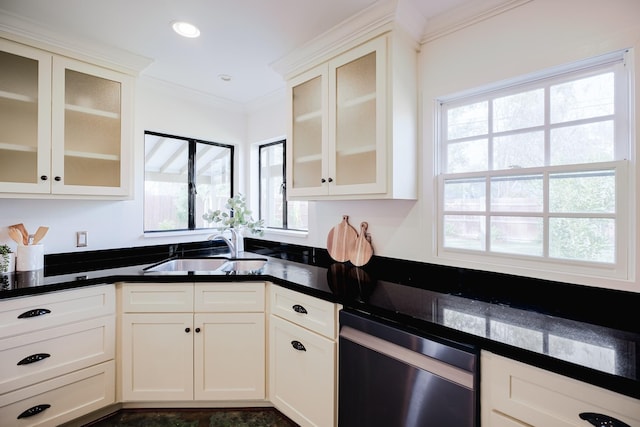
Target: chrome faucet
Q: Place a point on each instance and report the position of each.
(231, 244)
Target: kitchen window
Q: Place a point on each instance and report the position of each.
(183, 179)
(534, 172)
(274, 208)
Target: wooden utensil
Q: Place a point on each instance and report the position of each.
(23, 231)
(362, 251)
(16, 236)
(341, 239)
(39, 235)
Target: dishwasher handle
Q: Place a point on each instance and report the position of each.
(451, 373)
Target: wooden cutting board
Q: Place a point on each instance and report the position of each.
(341, 239)
(362, 251)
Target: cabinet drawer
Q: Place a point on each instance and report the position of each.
(31, 313)
(157, 298)
(38, 356)
(229, 297)
(538, 397)
(61, 399)
(312, 313)
(302, 374)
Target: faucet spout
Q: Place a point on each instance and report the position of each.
(229, 243)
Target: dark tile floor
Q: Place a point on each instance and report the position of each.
(250, 417)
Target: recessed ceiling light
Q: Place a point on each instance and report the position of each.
(185, 29)
(224, 77)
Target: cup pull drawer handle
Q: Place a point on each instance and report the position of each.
(600, 420)
(34, 313)
(298, 345)
(35, 410)
(299, 309)
(33, 358)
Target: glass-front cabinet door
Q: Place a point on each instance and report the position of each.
(357, 120)
(337, 143)
(306, 153)
(89, 110)
(25, 118)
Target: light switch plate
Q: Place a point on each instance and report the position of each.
(82, 239)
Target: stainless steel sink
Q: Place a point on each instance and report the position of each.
(244, 265)
(204, 265)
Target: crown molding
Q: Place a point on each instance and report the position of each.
(27, 32)
(463, 16)
(377, 19)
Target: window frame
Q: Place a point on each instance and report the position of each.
(191, 178)
(285, 202)
(622, 164)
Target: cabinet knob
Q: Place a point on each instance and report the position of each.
(44, 177)
(298, 345)
(323, 180)
(330, 180)
(187, 330)
(34, 410)
(57, 178)
(299, 309)
(197, 330)
(601, 420)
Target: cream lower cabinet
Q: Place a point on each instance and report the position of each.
(57, 355)
(515, 394)
(203, 341)
(303, 357)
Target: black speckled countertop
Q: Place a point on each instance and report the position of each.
(563, 337)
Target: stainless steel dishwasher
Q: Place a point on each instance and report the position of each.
(389, 377)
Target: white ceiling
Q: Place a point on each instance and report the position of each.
(240, 38)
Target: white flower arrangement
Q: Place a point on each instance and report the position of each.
(238, 216)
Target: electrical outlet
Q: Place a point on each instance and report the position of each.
(82, 239)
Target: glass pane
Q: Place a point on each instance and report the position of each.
(518, 111)
(582, 239)
(355, 129)
(583, 192)
(588, 143)
(465, 195)
(524, 150)
(582, 99)
(213, 180)
(166, 183)
(465, 232)
(307, 134)
(468, 120)
(271, 185)
(298, 215)
(18, 119)
(517, 194)
(91, 130)
(517, 235)
(470, 156)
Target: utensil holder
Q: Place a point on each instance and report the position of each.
(30, 258)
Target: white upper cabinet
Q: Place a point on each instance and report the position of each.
(353, 127)
(65, 126)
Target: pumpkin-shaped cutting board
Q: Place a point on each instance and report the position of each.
(362, 251)
(341, 239)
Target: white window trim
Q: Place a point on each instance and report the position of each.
(619, 276)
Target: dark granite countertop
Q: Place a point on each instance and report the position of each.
(604, 355)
